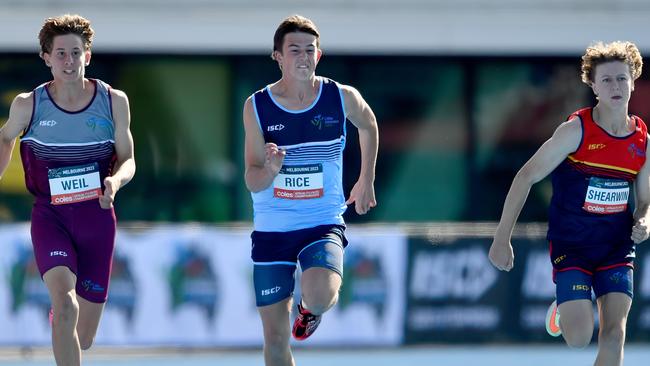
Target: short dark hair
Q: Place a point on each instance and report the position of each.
(294, 23)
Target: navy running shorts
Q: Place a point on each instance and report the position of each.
(276, 254)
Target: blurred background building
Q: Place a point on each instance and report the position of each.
(464, 92)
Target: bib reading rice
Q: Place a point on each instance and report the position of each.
(299, 182)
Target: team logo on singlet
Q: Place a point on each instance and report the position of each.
(635, 151)
(606, 196)
(299, 182)
(319, 121)
(94, 123)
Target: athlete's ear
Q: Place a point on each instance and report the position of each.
(88, 57)
(319, 53)
(277, 56)
(46, 57)
(593, 89)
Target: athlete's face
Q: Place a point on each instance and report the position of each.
(613, 83)
(68, 59)
(299, 55)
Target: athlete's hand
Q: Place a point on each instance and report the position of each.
(501, 255)
(111, 186)
(640, 231)
(363, 197)
(274, 157)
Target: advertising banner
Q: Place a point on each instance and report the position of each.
(190, 285)
(455, 295)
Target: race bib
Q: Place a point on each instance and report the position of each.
(74, 184)
(606, 196)
(299, 182)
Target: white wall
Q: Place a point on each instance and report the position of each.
(461, 27)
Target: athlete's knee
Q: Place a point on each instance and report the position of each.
(612, 337)
(86, 338)
(65, 306)
(578, 339)
(321, 301)
(86, 342)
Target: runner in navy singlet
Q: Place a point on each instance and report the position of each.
(295, 136)
(599, 209)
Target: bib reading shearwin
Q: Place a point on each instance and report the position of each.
(74, 184)
(299, 182)
(606, 196)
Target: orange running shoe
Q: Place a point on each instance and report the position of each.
(553, 320)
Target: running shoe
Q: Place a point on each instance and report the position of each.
(553, 320)
(305, 324)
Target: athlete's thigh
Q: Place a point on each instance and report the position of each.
(59, 281)
(573, 284)
(275, 319)
(321, 261)
(273, 282)
(319, 279)
(89, 315)
(95, 244)
(576, 314)
(573, 293)
(618, 279)
(324, 250)
(51, 239)
(613, 309)
(274, 256)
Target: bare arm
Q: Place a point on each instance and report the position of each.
(360, 114)
(20, 113)
(125, 165)
(262, 161)
(564, 141)
(640, 229)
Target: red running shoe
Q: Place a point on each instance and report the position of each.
(305, 324)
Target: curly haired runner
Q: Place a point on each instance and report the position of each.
(599, 208)
(77, 152)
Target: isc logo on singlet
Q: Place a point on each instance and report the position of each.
(278, 127)
(48, 123)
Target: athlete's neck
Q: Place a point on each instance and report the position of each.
(72, 95)
(615, 121)
(297, 93)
